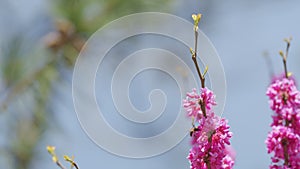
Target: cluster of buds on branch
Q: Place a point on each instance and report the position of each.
(51, 151)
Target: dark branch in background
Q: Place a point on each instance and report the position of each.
(269, 63)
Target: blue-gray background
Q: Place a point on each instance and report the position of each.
(241, 31)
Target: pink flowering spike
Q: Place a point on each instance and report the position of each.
(283, 93)
(275, 146)
(217, 147)
(284, 139)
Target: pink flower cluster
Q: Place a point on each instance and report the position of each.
(284, 139)
(210, 142)
(192, 106)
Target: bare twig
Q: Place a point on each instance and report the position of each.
(285, 55)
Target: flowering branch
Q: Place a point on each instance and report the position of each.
(210, 138)
(284, 139)
(284, 58)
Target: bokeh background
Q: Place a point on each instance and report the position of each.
(40, 41)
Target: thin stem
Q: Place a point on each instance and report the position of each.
(75, 165)
(285, 151)
(202, 79)
(201, 76)
(284, 141)
(194, 57)
(288, 44)
(203, 108)
(208, 165)
(207, 158)
(196, 41)
(60, 165)
(285, 68)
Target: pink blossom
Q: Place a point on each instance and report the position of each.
(276, 137)
(209, 98)
(191, 103)
(228, 162)
(284, 139)
(211, 143)
(282, 94)
(295, 122)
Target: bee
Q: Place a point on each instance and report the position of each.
(193, 130)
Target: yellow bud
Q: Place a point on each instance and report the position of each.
(196, 18)
(205, 71)
(281, 53)
(289, 74)
(54, 159)
(51, 149)
(70, 160)
(288, 40)
(67, 158)
(192, 51)
(199, 17)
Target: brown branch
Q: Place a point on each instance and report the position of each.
(284, 56)
(201, 76)
(284, 59)
(203, 108)
(207, 158)
(202, 80)
(194, 57)
(60, 165)
(75, 165)
(284, 143)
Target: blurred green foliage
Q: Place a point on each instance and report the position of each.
(29, 75)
